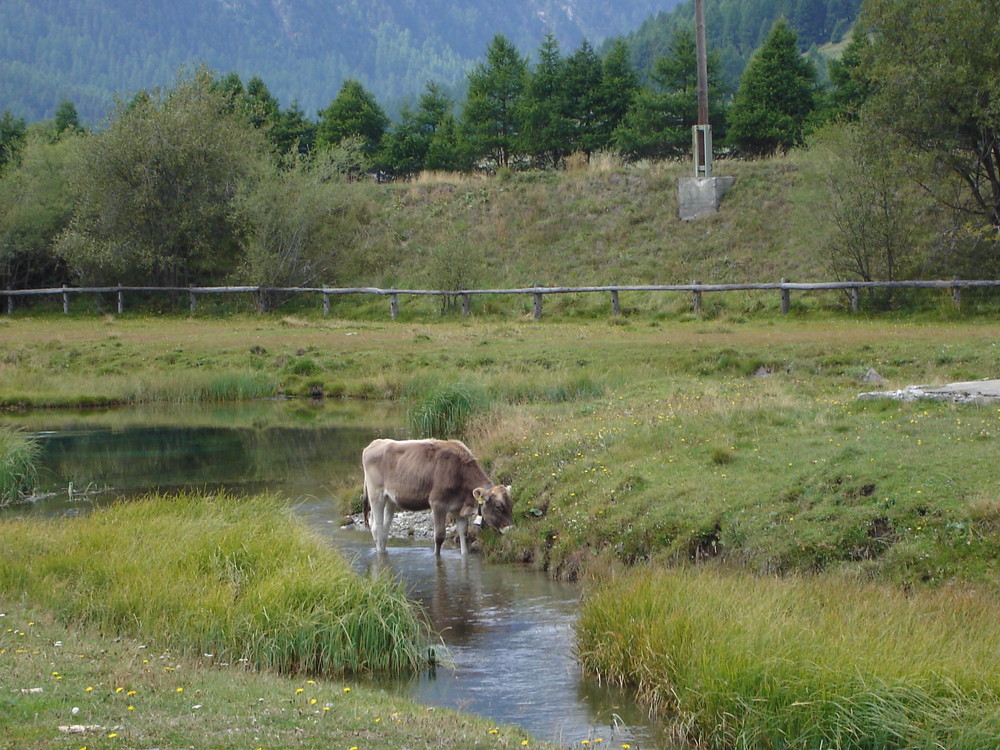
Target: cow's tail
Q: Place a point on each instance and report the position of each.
(366, 504)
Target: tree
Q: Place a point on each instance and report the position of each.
(616, 93)
(875, 217)
(775, 97)
(12, 132)
(851, 87)
(582, 84)
(36, 204)
(405, 147)
(492, 106)
(156, 189)
(660, 121)
(546, 127)
(353, 112)
(293, 133)
(936, 87)
(66, 117)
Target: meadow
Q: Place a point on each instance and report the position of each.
(698, 474)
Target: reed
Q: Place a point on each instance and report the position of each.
(237, 578)
(444, 411)
(752, 662)
(18, 464)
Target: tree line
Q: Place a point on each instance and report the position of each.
(212, 180)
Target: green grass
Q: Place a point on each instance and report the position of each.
(238, 578)
(133, 692)
(18, 464)
(746, 662)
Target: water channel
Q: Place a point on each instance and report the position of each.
(508, 631)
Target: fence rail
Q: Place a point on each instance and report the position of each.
(696, 289)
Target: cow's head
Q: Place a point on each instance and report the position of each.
(493, 505)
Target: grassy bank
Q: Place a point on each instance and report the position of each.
(68, 687)
(735, 661)
(239, 579)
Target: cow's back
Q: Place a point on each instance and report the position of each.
(410, 471)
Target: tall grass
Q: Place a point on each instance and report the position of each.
(18, 464)
(238, 578)
(445, 411)
(807, 663)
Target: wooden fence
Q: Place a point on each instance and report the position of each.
(696, 289)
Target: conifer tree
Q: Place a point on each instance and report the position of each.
(493, 104)
(776, 95)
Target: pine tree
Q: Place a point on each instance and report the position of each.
(776, 95)
(492, 107)
(546, 127)
(354, 112)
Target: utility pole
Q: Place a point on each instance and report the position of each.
(703, 130)
(701, 194)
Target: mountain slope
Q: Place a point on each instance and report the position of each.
(88, 50)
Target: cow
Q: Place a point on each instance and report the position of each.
(440, 475)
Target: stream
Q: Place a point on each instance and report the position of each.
(508, 631)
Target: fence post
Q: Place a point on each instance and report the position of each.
(697, 298)
(393, 304)
(615, 307)
(853, 291)
(326, 304)
(956, 295)
(536, 311)
(10, 300)
(786, 299)
(121, 300)
(466, 304)
(192, 300)
(65, 296)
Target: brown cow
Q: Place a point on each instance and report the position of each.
(440, 475)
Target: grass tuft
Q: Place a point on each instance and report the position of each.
(19, 455)
(445, 411)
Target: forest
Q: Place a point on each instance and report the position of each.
(211, 180)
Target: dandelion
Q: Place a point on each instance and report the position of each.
(131, 708)
(300, 690)
(180, 690)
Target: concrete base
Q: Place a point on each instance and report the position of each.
(699, 196)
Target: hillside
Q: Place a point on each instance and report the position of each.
(606, 224)
(88, 50)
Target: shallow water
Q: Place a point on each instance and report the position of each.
(507, 632)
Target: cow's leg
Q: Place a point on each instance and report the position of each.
(440, 515)
(462, 524)
(380, 532)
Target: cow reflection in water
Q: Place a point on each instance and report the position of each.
(437, 475)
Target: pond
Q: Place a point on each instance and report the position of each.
(508, 631)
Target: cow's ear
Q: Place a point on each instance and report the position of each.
(478, 494)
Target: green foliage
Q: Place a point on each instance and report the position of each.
(12, 132)
(756, 662)
(877, 219)
(353, 113)
(491, 112)
(934, 68)
(235, 577)
(36, 203)
(775, 97)
(19, 456)
(157, 189)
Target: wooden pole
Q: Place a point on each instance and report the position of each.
(697, 298)
(786, 299)
(536, 311)
(615, 307)
(393, 305)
